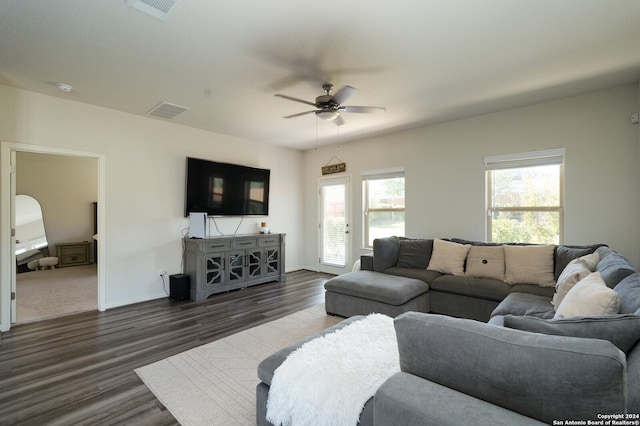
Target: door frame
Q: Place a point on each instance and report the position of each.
(348, 213)
(7, 257)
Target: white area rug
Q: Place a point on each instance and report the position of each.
(56, 292)
(215, 384)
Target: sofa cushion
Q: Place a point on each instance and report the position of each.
(614, 268)
(621, 330)
(405, 399)
(385, 253)
(414, 253)
(390, 289)
(590, 296)
(485, 262)
(418, 274)
(472, 357)
(629, 292)
(448, 257)
(529, 265)
(547, 292)
(474, 243)
(483, 288)
(525, 304)
(604, 251)
(565, 254)
(572, 274)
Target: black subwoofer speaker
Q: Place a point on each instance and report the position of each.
(179, 286)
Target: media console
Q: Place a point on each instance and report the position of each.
(225, 263)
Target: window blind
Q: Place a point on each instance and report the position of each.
(525, 159)
(383, 174)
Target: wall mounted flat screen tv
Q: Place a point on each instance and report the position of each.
(223, 189)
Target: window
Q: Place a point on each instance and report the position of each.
(525, 197)
(383, 201)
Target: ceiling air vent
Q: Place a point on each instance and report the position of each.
(157, 8)
(167, 110)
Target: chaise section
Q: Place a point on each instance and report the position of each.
(365, 292)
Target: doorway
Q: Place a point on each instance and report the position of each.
(65, 189)
(334, 221)
(11, 157)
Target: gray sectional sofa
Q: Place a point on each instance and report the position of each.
(498, 356)
(422, 290)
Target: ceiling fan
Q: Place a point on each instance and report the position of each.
(329, 107)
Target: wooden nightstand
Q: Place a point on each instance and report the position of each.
(72, 254)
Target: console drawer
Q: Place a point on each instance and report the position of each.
(243, 243)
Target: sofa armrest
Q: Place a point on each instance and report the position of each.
(544, 377)
(366, 262)
(385, 253)
(405, 399)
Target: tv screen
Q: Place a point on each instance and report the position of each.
(223, 189)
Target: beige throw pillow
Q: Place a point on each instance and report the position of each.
(529, 265)
(486, 262)
(448, 257)
(591, 260)
(590, 296)
(575, 271)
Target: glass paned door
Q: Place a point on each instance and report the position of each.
(335, 236)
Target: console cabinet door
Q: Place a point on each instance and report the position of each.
(236, 271)
(254, 264)
(272, 261)
(213, 269)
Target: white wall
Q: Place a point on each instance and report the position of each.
(145, 162)
(445, 187)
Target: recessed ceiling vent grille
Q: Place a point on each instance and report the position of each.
(167, 110)
(157, 8)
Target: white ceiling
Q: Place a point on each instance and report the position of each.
(426, 61)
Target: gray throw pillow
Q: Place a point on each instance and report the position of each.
(621, 330)
(565, 254)
(414, 253)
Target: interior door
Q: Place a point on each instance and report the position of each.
(12, 221)
(334, 217)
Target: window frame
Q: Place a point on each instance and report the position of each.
(378, 175)
(520, 161)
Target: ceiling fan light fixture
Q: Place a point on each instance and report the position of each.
(327, 115)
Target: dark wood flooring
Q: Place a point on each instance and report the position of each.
(79, 369)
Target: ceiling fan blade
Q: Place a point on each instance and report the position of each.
(343, 94)
(294, 99)
(299, 114)
(362, 109)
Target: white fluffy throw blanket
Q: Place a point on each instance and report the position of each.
(328, 380)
